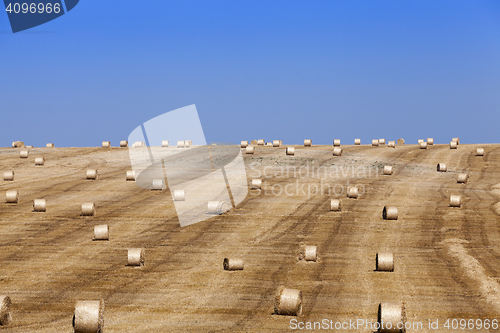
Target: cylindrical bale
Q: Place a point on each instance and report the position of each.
(391, 144)
(256, 184)
(375, 143)
(441, 167)
(276, 143)
(8, 175)
(233, 264)
(307, 143)
(138, 144)
(101, 232)
(249, 150)
(457, 140)
(381, 142)
(244, 144)
(455, 201)
(218, 207)
(92, 174)
(39, 205)
(390, 213)
(136, 257)
(49, 145)
(164, 143)
(5, 316)
(430, 141)
(180, 144)
(480, 152)
(357, 142)
(179, 195)
(12, 196)
(352, 192)
(453, 145)
(384, 262)
(261, 142)
(106, 144)
(188, 143)
(290, 151)
(423, 145)
(401, 141)
(288, 302)
(130, 175)
(390, 316)
(89, 317)
(17, 144)
(40, 161)
(420, 141)
(23, 154)
(335, 205)
(88, 209)
(310, 253)
(269, 144)
(337, 151)
(124, 143)
(463, 178)
(157, 185)
(336, 142)
(388, 170)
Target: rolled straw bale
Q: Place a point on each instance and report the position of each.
(23, 154)
(130, 175)
(261, 142)
(179, 195)
(276, 143)
(357, 142)
(480, 152)
(39, 205)
(310, 253)
(288, 302)
(233, 264)
(269, 144)
(164, 143)
(337, 151)
(290, 151)
(423, 145)
(106, 144)
(453, 145)
(336, 142)
(391, 144)
(49, 145)
(89, 317)
(244, 144)
(387, 170)
(124, 143)
(335, 205)
(136, 257)
(381, 141)
(375, 143)
(384, 262)
(390, 213)
(455, 201)
(218, 207)
(12, 196)
(256, 184)
(17, 144)
(88, 209)
(188, 143)
(352, 192)
(40, 161)
(157, 185)
(463, 178)
(457, 140)
(420, 141)
(249, 150)
(401, 141)
(180, 144)
(430, 141)
(441, 167)
(8, 175)
(389, 316)
(253, 142)
(5, 317)
(307, 143)
(101, 232)
(138, 144)
(92, 174)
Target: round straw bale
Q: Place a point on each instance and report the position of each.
(17, 144)
(256, 184)
(233, 264)
(441, 167)
(381, 141)
(130, 175)
(157, 185)
(179, 195)
(423, 145)
(188, 143)
(218, 207)
(249, 150)
(269, 144)
(384, 262)
(387, 170)
(430, 141)
(352, 192)
(420, 141)
(457, 140)
(455, 201)
(453, 145)
(480, 152)
(138, 144)
(375, 143)
(244, 144)
(124, 143)
(40, 161)
(23, 154)
(390, 213)
(261, 142)
(253, 142)
(12, 196)
(463, 178)
(164, 143)
(290, 151)
(39, 205)
(92, 174)
(136, 257)
(310, 253)
(89, 317)
(88, 209)
(106, 144)
(335, 205)
(389, 316)
(357, 142)
(5, 317)
(307, 143)
(401, 141)
(8, 175)
(101, 232)
(336, 142)
(288, 302)
(276, 143)
(337, 151)
(180, 144)
(49, 145)
(391, 144)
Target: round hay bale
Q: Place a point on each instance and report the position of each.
(164, 143)
(39, 205)
(101, 232)
(12, 196)
(49, 145)
(106, 144)
(181, 144)
(244, 144)
(381, 142)
(480, 152)
(218, 207)
(337, 151)
(352, 192)
(336, 143)
(453, 145)
(5, 317)
(335, 205)
(420, 141)
(463, 178)
(441, 167)
(88, 209)
(455, 201)
(401, 141)
(188, 143)
(40, 161)
(307, 143)
(256, 184)
(430, 141)
(390, 213)
(23, 154)
(389, 316)
(138, 144)
(261, 142)
(17, 144)
(233, 264)
(8, 175)
(253, 142)
(357, 142)
(249, 150)
(276, 143)
(288, 302)
(457, 140)
(310, 253)
(387, 170)
(92, 174)
(89, 317)
(157, 185)
(423, 145)
(375, 143)
(130, 175)
(124, 143)
(384, 262)
(290, 151)
(136, 257)
(269, 144)
(391, 144)
(179, 195)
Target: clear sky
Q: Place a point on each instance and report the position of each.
(285, 70)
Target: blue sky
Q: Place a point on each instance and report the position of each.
(285, 70)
